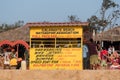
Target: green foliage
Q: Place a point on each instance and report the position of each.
(108, 15)
(108, 4)
(5, 27)
(73, 18)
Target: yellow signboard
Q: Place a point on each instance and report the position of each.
(56, 48)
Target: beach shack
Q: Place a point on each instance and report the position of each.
(56, 46)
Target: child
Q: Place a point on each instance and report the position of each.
(115, 64)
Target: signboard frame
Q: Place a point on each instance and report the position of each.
(56, 47)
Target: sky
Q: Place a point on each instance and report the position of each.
(47, 10)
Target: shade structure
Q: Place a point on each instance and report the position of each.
(109, 35)
(20, 33)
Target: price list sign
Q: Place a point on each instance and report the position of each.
(56, 48)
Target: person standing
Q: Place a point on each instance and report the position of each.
(92, 47)
(6, 59)
(85, 56)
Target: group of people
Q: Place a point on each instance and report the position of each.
(110, 59)
(97, 57)
(11, 58)
(8, 57)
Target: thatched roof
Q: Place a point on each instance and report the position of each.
(21, 33)
(110, 35)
